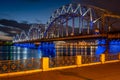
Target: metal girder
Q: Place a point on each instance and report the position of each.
(112, 16)
(72, 11)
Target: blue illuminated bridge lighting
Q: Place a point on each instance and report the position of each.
(114, 46)
(47, 49)
(26, 45)
(101, 48)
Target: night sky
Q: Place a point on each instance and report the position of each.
(39, 11)
(20, 13)
(30, 11)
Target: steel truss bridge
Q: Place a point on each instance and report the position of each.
(73, 21)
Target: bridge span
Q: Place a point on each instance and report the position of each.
(84, 29)
(73, 21)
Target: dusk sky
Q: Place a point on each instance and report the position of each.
(39, 11)
(29, 10)
(18, 14)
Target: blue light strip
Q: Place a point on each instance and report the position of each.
(114, 46)
(26, 45)
(101, 47)
(47, 49)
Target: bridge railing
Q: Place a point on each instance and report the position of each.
(58, 62)
(109, 57)
(62, 61)
(19, 65)
(90, 59)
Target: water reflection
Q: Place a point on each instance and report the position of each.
(17, 53)
(58, 48)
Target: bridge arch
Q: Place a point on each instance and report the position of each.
(74, 19)
(34, 32)
(23, 36)
(16, 38)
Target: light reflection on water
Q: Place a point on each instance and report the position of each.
(17, 53)
(54, 49)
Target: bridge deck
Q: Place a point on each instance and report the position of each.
(108, 36)
(66, 38)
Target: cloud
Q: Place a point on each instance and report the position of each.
(38, 20)
(14, 24)
(9, 28)
(2, 37)
(3, 33)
